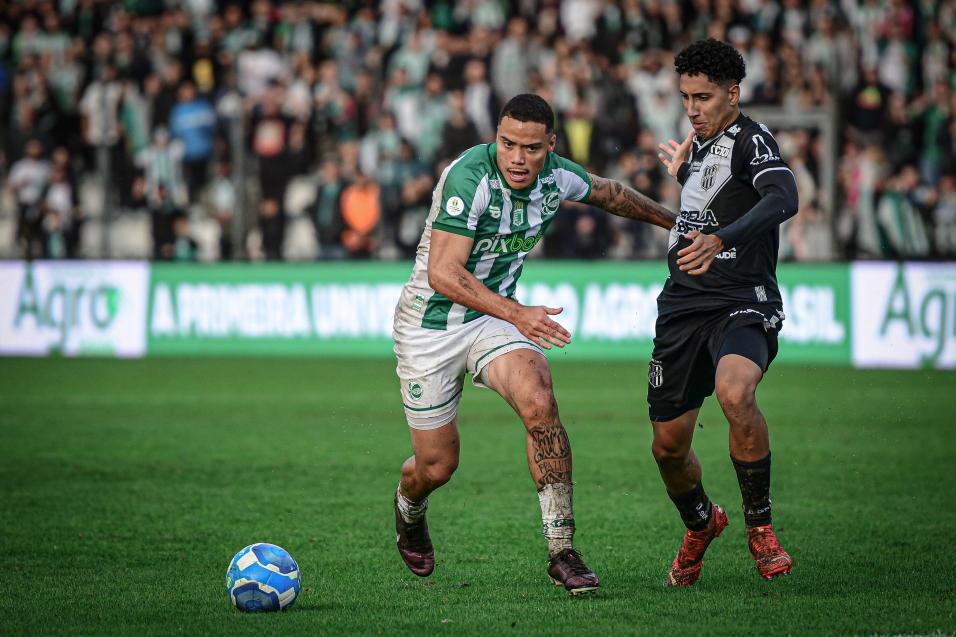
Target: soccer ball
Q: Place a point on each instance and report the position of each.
(262, 577)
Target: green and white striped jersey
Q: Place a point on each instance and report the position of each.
(473, 199)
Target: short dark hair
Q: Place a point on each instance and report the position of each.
(717, 60)
(528, 107)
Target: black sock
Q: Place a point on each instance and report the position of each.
(754, 480)
(694, 507)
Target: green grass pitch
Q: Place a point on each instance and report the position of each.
(127, 486)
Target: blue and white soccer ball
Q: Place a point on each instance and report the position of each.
(262, 577)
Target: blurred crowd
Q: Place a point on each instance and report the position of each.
(250, 117)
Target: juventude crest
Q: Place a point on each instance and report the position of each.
(709, 176)
(550, 203)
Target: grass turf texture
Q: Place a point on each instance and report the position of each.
(127, 486)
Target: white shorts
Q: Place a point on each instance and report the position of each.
(432, 364)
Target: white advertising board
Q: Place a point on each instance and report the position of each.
(904, 314)
(73, 308)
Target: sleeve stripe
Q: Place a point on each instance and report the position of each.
(767, 170)
(465, 232)
(479, 203)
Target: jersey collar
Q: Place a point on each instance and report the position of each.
(732, 129)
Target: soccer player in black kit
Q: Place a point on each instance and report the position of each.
(720, 309)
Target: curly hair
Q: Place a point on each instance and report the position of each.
(717, 60)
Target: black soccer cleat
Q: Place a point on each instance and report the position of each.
(414, 544)
(566, 568)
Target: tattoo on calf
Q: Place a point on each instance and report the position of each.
(552, 454)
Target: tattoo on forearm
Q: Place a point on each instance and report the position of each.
(623, 201)
(552, 454)
(464, 283)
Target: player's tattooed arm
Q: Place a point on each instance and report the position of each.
(552, 454)
(447, 275)
(623, 201)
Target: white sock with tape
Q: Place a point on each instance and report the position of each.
(411, 512)
(557, 515)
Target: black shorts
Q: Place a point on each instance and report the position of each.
(688, 346)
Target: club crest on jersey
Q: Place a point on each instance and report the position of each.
(655, 373)
(517, 214)
(455, 206)
(709, 176)
(550, 203)
(494, 211)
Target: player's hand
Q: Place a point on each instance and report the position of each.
(696, 258)
(534, 322)
(675, 154)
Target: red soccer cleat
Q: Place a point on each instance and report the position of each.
(771, 559)
(685, 571)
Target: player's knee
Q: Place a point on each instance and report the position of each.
(668, 448)
(735, 396)
(439, 472)
(538, 408)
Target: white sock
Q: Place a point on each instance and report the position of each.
(557, 515)
(411, 512)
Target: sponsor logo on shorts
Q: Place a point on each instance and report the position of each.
(455, 206)
(655, 373)
(418, 303)
(727, 254)
(747, 311)
(761, 293)
(414, 390)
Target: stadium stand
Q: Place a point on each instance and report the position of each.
(263, 130)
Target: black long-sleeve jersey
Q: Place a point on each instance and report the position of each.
(736, 186)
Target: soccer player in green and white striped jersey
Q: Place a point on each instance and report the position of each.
(457, 315)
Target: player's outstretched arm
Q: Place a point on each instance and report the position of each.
(448, 276)
(623, 201)
(778, 202)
